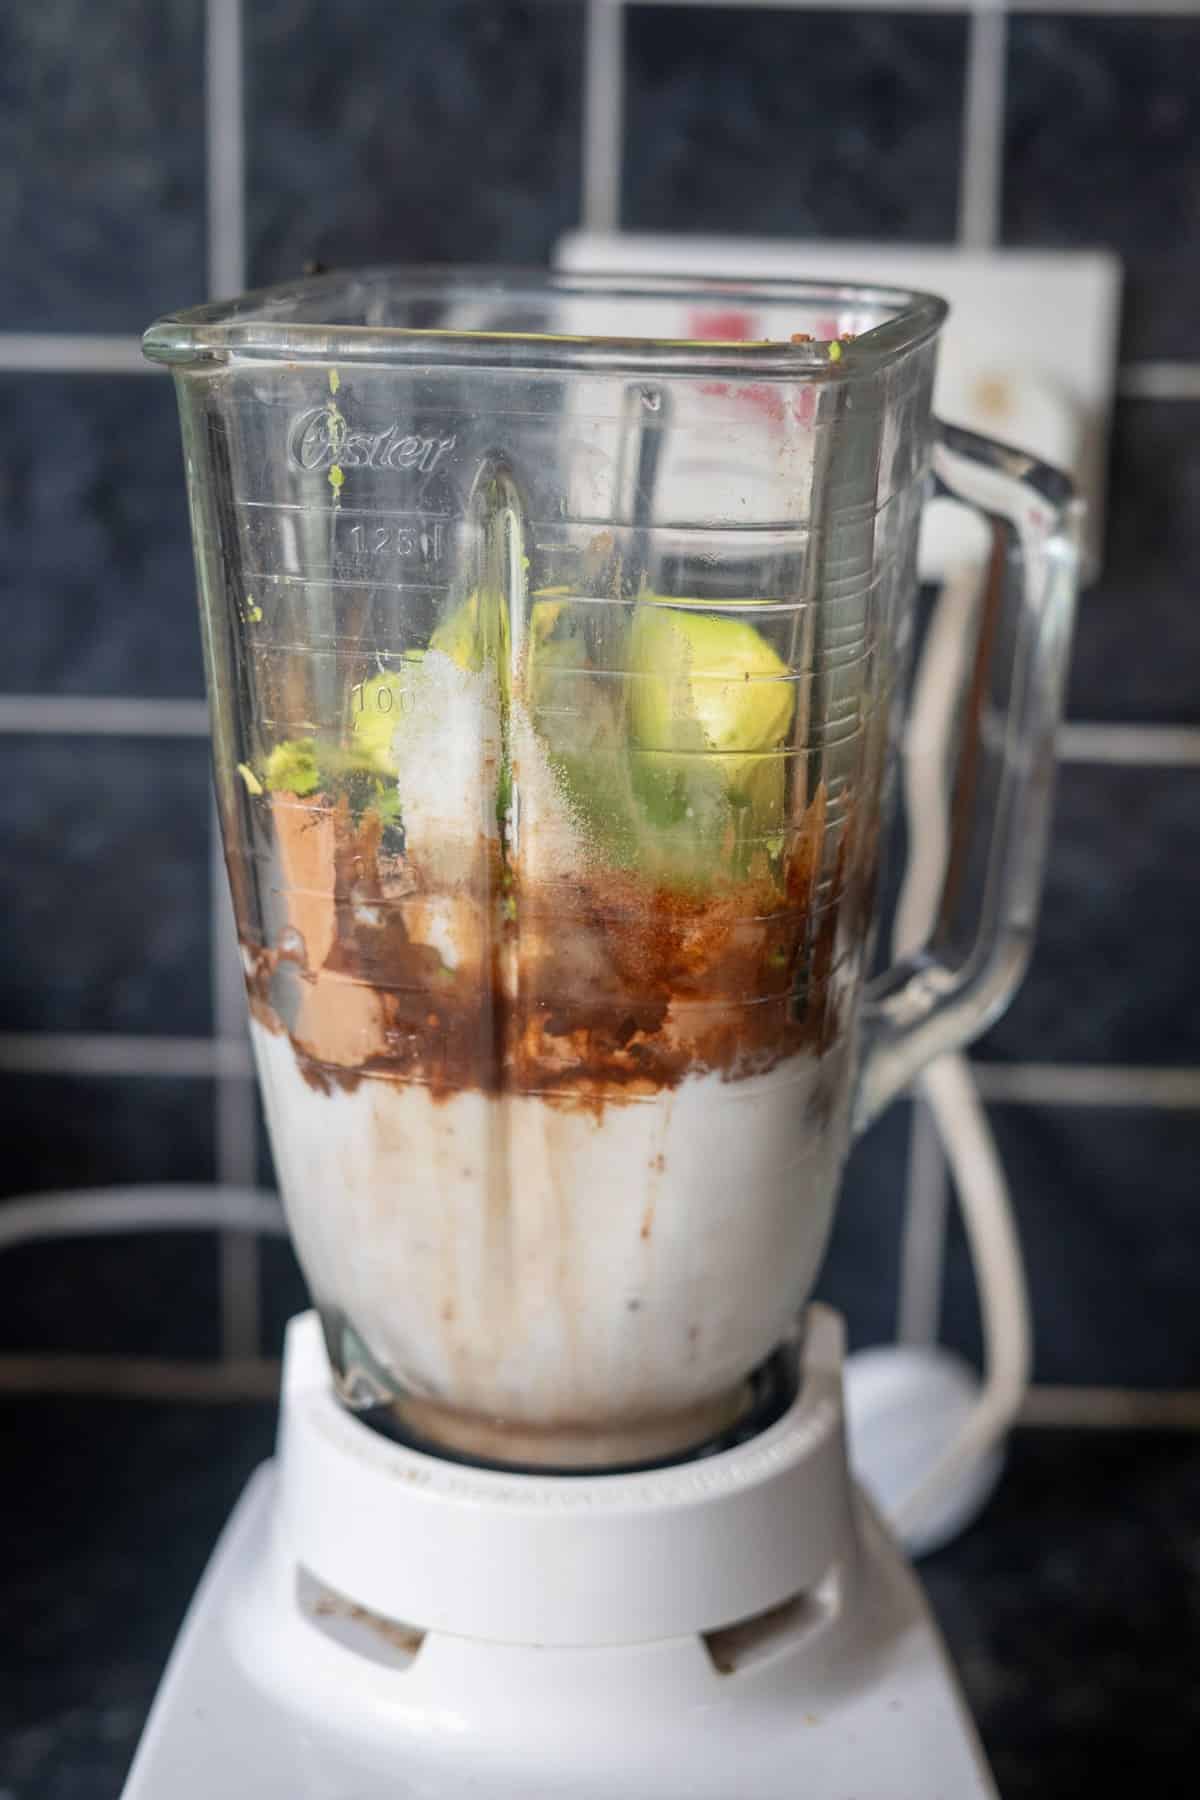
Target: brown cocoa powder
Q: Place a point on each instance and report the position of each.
(584, 992)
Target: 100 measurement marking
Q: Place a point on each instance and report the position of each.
(385, 696)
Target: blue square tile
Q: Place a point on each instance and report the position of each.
(1103, 147)
(1106, 1207)
(104, 885)
(1115, 977)
(152, 1294)
(837, 123)
(445, 132)
(862, 1268)
(283, 1292)
(1137, 639)
(97, 587)
(102, 195)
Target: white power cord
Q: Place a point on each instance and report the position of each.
(953, 1099)
(88, 1212)
(949, 1488)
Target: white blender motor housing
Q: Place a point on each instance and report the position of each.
(381, 1622)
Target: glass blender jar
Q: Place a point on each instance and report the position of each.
(556, 653)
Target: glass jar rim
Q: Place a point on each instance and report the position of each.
(299, 322)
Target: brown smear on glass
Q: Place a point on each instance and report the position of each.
(602, 989)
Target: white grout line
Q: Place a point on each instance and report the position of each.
(257, 1378)
(224, 108)
(1134, 746)
(1161, 380)
(64, 353)
(1082, 1084)
(228, 1059)
(1125, 8)
(122, 1053)
(602, 140)
(227, 1055)
(982, 169)
(922, 1248)
(141, 1377)
(1112, 1409)
(603, 108)
(226, 150)
(86, 715)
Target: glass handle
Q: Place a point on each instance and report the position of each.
(945, 994)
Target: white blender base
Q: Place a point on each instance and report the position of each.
(564, 1638)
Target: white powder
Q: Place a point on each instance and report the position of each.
(446, 748)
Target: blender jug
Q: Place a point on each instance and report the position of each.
(556, 651)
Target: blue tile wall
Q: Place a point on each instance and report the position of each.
(137, 1295)
(1137, 640)
(445, 132)
(1103, 147)
(1115, 977)
(96, 575)
(101, 163)
(828, 123)
(145, 1295)
(451, 130)
(1106, 1203)
(104, 885)
(62, 1131)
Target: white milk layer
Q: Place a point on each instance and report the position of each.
(546, 1264)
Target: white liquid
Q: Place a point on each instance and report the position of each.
(535, 1262)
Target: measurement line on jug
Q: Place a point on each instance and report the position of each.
(372, 546)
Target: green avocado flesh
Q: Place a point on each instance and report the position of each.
(667, 729)
(362, 769)
(671, 755)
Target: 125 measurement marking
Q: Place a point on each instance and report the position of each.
(406, 542)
